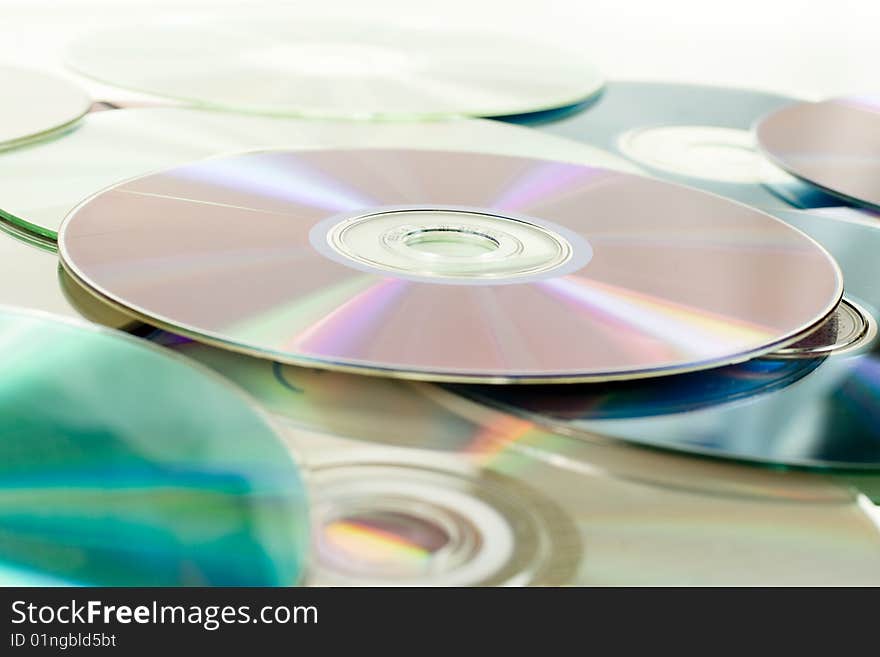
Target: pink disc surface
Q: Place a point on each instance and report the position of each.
(450, 266)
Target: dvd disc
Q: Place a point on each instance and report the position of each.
(31, 277)
(101, 488)
(824, 417)
(36, 104)
(450, 266)
(337, 70)
(413, 485)
(693, 135)
(834, 144)
(112, 146)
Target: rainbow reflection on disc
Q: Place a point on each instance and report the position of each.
(126, 466)
(450, 266)
(813, 413)
(106, 148)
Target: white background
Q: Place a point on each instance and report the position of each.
(809, 48)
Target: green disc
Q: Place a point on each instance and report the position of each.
(122, 465)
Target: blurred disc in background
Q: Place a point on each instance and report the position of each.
(834, 144)
(35, 104)
(337, 70)
(124, 465)
(689, 134)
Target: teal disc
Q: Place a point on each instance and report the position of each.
(122, 465)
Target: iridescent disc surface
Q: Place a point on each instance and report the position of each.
(450, 266)
(690, 134)
(833, 144)
(31, 277)
(124, 465)
(342, 70)
(36, 103)
(810, 413)
(411, 484)
(109, 147)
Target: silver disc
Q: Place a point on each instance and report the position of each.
(451, 265)
(834, 144)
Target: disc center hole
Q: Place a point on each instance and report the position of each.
(451, 242)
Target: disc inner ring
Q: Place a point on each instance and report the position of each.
(450, 244)
(707, 152)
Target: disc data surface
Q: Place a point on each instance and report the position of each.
(36, 103)
(833, 144)
(109, 147)
(690, 134)
(811, 412)
(123, 465)
(452, 266)
(355, 71)
(412, 485)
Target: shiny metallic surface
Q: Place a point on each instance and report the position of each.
(813, 412)
(225, 250)
(833, 144)
(36, 103)
(337, 70)
(126, 465)
(109, 147)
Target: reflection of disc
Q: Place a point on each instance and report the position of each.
(109, 147)
(694, 135)
(450, 266)
(380, 523)
(36, 103)
(826, 419)
(834, 144)
(30, 277)
(338, 70)
(402, 466)
(101, 488)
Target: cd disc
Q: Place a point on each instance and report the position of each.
(102, 487)
(31, 277)
(693, 135)
(834, 144)
(824, 416)
(450, 266)
(35, 104)
(112, 146)
(413, 485)
(337, 70)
